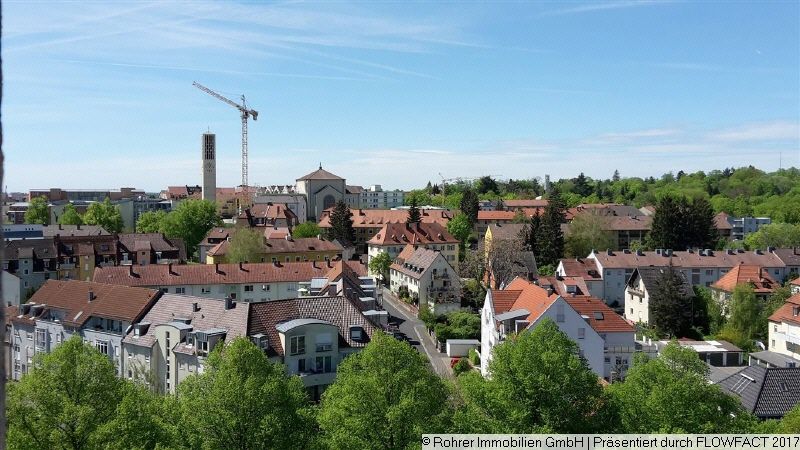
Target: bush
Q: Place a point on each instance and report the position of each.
(474, 359)
(461, 366)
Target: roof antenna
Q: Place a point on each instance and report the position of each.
(320, 166)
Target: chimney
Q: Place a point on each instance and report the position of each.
(130, 271)
(241, 266)
(169, 269)
(329, 263)
(91, 296)
(195, 307)
(228, 303)
(314, 264)
(59, 227)
(216, 268)
(79, 226)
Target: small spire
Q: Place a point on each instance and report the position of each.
(320, 166)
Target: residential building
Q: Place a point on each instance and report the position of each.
(12, 289)
(271, 215)
(285, 249)
(790, 257)
(795, 286)
(715, 353)
(12, 232)
(767, 393)
(15, 212)
(427, 277)
(564, 286)
(701, 267)
(214, 237)
(99, 313)
(352, 196)
(784, 328)
(755, 277)
(723, 225)
(771, 359)
(310, 336)
(343, 281)
(322, 190)
(59, 230)
(141, 249)
(86, 195)
(742, 226)
(174, 338)
(374, 197)
(33, 261)
(524, 264)
(487, 218)
(368, 222)
(253, 282)
(582, 268)
(514, 205)
(640, 286)
(393, 237)
(605, 340)
(285, 195)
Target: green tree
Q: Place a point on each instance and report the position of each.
(745, 319)
(70, 216)
(63, 402)
(104, 214)
(139, 421)
(243, 401)
(486, 184)
(151, 222)
(581, 186)
(380, 264)
(586, 232)
(714, 317)
(384, 397)
(414, 215)
(668, 229)
(191, 221)
(342, 224)
(246, 245)
(459, 227)
(670, 394)
(790, 423)
(470, 206)
(38, 211)
(306, 230)
(779, 235)
(701, 232)
(550, 238)
(539, 382)
(670, 306)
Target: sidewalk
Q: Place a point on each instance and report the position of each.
(396, 307)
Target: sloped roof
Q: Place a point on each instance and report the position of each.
(786, 312)
(560, 285)
(721, 259)
(28, 248)
(172, 275)
(270, 211)
(651, 275)
(532, 298)
(503, 300)
(73, 230)
(721, 222)
(415, 234)
(339, 311)
(790, 256)
(529, 203)
(406, 253)
(600, 317)
(211, 315)
(585, 268)
(497, 215)
(283, 245)
(418, 263)
(755, 276)
(109, 301)
(376, 218)
(320, 174)
(507, 231)
(767, 393)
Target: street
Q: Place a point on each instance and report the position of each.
(419, 338)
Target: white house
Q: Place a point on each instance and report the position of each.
(428, 277)
(606, 341)
(393, 238)
(640, 285)
(784, 328)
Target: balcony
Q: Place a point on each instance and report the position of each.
(788, 337)
(66, 266)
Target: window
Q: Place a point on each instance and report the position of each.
(167, 345)
(202, 346)
(30, 335)
(322, 364)
(709, 272)
(324, 342)
(248, 288)
(180, 290)
(581, 333)
(101, 346)
(41, 338)
(165, 290)
(560, 313)
(147, 359)
(772, 346)
(297, 345)
(205, 290)
(301, 365)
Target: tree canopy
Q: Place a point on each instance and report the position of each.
(38, 212)
(384, 397)
(380, 263)
(70, 216)
(246, 245)
(342, 224)
(306, 230)
(191, 221)
(414, 215)
(550, 237)
(105, 214)
(470, 206)
(670, 306)
(679, 224)
(459, 227)
(586, 232)
(151, 222)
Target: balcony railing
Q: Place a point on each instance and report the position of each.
(788, 337)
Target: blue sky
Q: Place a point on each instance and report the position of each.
(99, 94)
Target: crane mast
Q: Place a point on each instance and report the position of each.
(245, 113)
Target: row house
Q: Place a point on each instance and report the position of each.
(701, 267)
(523, 204)
(394, 237)
(428, 278)
(582, 268)
(33, 261)
(244, 282)
(605, 340)
(100, 314)
(214, 237)
(368, 222)
(286, 249)
(640, 286)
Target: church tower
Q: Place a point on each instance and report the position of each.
(209, 155)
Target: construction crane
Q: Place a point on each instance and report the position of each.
(246, 114)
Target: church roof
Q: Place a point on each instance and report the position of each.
(320, 174)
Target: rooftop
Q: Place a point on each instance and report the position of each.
(415, 234)
(757, 277)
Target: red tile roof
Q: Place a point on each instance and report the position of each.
(376, 218)
(497, 215)
(108, 301)
(270, 211)
(561, 285)
(721, 222)
(529, 203)
(585, 268)
(795, 282)
(786, 312)
(416, 234)
(721, 259)
(602, 318)
(755, 276)
(504, 300)
(172, 275)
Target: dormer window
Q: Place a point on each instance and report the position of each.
(356, 333)
(795, 310)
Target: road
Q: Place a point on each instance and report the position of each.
(418, 335)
